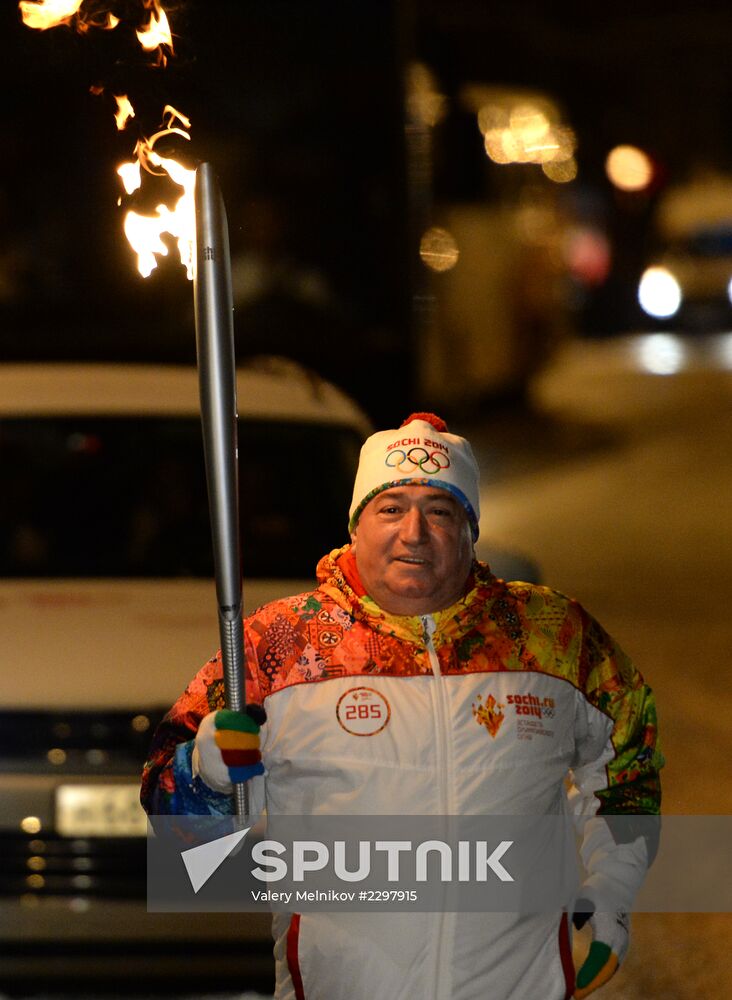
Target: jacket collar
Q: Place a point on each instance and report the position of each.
(338, 577)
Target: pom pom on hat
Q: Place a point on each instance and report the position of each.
(421, 453)
(429, 418)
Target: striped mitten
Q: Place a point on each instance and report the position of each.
(226, 750)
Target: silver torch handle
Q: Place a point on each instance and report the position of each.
(213, 307)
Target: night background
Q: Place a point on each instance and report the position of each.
(376, 241)
(304, 111)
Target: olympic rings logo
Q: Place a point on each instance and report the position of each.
(418, 458)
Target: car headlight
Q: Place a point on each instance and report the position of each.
(659, 293)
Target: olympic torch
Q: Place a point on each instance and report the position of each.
(213, 308)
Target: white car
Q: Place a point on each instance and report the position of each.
(107, 609)
(689, 286)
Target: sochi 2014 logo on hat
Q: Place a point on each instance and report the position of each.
(363, 711)
(412, 453)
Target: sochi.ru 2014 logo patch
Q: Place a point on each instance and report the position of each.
(531, 704)
(488, 713)
(362, 711)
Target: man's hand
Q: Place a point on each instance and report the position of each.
(227, 748)
(610, 939)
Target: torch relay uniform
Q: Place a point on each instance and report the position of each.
(484, 707)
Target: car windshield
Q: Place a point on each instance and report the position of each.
(126, 497)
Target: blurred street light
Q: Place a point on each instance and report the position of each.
(659, 293)
(438, 249)
(629, 168)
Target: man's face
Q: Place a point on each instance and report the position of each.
(413, 549)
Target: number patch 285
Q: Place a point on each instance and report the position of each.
(363, 711)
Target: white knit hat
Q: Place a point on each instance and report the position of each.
(420, 453)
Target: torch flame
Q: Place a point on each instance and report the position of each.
(144, 232)
(174, 115)
(124, 112)
(44, 14)
(131, 176)
(157, 33)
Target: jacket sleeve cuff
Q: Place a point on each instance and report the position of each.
(194, 797)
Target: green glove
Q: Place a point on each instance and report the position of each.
(610, 939)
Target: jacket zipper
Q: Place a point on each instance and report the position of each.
(444, 767)
(441, 716)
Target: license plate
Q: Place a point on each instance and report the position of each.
(100, 811)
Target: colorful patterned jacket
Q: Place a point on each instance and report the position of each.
(483, 708)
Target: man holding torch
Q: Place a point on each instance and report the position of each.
(448, 660)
